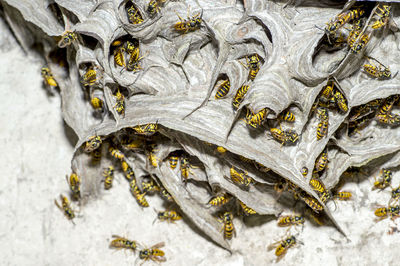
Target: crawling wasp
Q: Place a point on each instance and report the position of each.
(391, 211)
(149, 186)
(383, 14)
(154, 253)
(93, 143)
(154, 6)
(286, 116)
(253, 63)
(227, 220)
(67, 38)
(285, 137)
(65, 208)
(223, 89)
(189, 24)
(48, 77)
(322, 161)
(108, 174)
(137, 194)
(246, 209)
(240, 94)
(322, 128)
(74, 183)
(146, 130)
(384, 181)
(90, 77)
(378, 70)
(122, 242)
(343, 195)
(240, 178)
(290, 220)
(256, 120)
(170, 216)
(116, 153)
(129, 173)
(220, 200)
(134, 60)
(283, 246)
(120, 103)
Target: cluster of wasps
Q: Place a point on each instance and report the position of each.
(392, 209)
(224, 202)
(191, 23)
(154, 253)
(356, 35)
(256, 119)
(379, 110)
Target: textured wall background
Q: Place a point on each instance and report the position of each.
(36, 150)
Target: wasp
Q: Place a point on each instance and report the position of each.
(220, 200)
(341, 19)
(343, 195)
(119, 58)
(285, 137)
(134, 60)
(96, 100)
(340, 101)
(253, 63)
(139, 196)
(359, 43)
(325, 196)
(66, 208)
(384, 181)
(310, 201)
(134, 15)
(322, 161)
(189, 24)
(173, 161)
(93, 143)
(96, 155)
(317, 185)
(246, 209)
(327, 91)
(256, 120)
(74, 183)
(154, 6)
(290, 220)
(322, 128)
(389, 119)
(391, 211)
(90, 77)
(117, 154)
(146, 130)
(154, 253)
(165, 194)
(383, 14)
(283, 185)
(122, 242)
(67, 38)
(48, 77)
(304, 171)
(240, 178)
(152, 158)
(283, 246)
(223, 89)
(227, 220)
(129, 173)
(287, 116)
(169, 216)
(388, 105)
(240, 94)
(379, 70)
(149, 186)
(395, 194)
(108, 174)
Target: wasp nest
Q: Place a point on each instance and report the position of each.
(235, 99)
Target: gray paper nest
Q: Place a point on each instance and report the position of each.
(177, 84)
